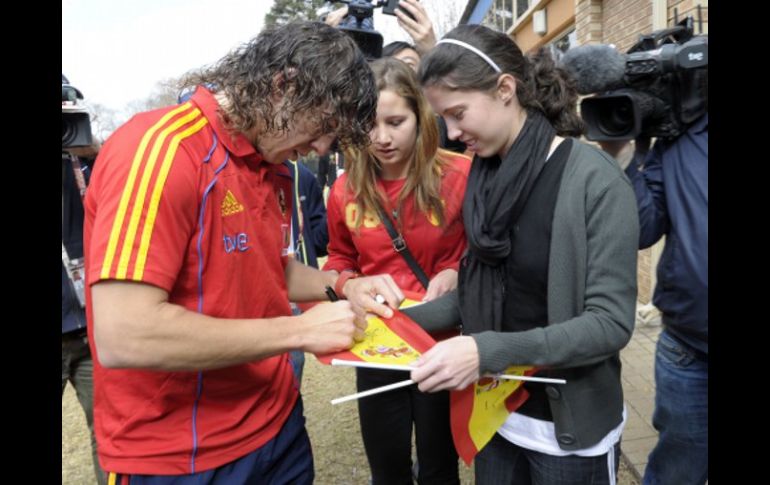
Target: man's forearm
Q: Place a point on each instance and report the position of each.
(135, 327)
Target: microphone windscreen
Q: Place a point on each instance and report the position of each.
(595, 67)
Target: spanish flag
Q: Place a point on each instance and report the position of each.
(395, 340)
(478, 411)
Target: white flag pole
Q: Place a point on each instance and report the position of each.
(506, 377)
(370, 392)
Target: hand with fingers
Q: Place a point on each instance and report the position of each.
(330, 327)
(362, 294)
(450, 364)
(420, 28)
(335, 17)
(444, 282)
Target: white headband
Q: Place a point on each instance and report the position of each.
(472, 49)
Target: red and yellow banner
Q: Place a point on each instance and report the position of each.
(395, 340)
(478, 411)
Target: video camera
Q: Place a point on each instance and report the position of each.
(657, 89)
(359, 24)
(75, 122)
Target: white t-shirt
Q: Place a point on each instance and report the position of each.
(538, 435)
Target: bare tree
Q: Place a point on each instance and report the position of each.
(285, 11)
(165, 93)
(104, 120)
(445, 14)
(501, 15)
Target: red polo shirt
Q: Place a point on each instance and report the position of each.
(177, 203)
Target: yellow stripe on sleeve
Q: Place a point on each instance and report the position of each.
(152, 213)
(117, 224)
(141, 193)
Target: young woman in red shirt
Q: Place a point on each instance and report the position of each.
(407, 178)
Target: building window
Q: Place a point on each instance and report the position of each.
(521, 7)
(500, 15)
(563, 43)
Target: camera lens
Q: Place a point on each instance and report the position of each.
(75, 129)
(68, 93)
(612, 116)
(616, 118)
(69, 131)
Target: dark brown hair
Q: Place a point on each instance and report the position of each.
(541, 85)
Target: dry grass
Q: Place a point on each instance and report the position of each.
(76, 468)
(334, 433)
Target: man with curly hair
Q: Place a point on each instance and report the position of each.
(188, 279)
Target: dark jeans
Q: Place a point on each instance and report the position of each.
(386, 428)
(77, 368)
(501, 462)
(285, 459)
(681, 415)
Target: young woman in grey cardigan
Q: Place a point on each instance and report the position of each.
(549, 278)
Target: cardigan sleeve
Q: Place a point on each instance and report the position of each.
(605, 324)
(437, 315)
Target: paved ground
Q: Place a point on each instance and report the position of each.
(76, 468)
(638, 358)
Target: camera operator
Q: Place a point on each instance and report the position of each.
(77, 365)
(671, 186)
(664, 81)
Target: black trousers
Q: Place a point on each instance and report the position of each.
(386, 427)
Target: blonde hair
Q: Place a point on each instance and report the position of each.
(428, 160)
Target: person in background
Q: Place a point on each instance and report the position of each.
(188, 279)
(420, 28)
(671, 188)
(407, 53)
(327, 169)
(309, 231)
(76, 361)
(549, 278)
(403, 51)
(406, 181)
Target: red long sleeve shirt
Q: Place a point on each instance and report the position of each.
(369, 249)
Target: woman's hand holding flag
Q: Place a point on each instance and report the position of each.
(450, 364)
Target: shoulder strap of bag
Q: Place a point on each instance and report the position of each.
(399, 244)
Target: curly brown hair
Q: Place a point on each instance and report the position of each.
(319, 68)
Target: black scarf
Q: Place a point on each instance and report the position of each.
(496, 194)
